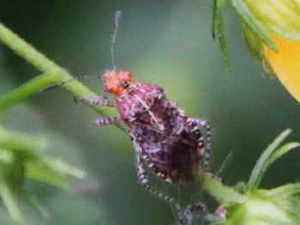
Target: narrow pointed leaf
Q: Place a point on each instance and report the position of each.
(64, 168)
(40, 171)
(11, 203)
(281, 152)
(258, 28)
(37, 205)
(260, 165)
(218, 31)
(15, 141)
(276, 155)
(288, 189)
(54, 172)
(216, 10)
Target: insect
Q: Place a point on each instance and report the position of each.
(165, 139)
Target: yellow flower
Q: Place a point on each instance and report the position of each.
(286, 63)
(272, 31)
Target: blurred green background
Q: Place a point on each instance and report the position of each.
(165, 42)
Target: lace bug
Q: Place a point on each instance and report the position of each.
(165, 139)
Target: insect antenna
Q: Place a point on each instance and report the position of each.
(117, 18)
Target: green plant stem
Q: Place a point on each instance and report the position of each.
(25, 50)
(223, 194)
(52, 73)
(24, 91)
(20, 142)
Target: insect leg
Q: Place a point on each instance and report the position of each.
(205, 150)
(144, 180)
(193, 211)
(198, 212)
(96, 101)
(107, 121)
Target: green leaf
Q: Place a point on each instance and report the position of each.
(54, 172)
(281, 18)
(253, 41)
(281, 152)
(6, 156)
(12, 203)
(218, 31)
(40, 171)
(217, 9)
(15, 141)
(37, 205)
(261, 165)
(288, 189)
(257, 27)
(64, 168)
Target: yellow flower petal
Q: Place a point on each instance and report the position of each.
(286, 63)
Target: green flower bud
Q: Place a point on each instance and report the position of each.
(279, 16)
(277, 206)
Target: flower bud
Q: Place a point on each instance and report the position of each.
(281, 17)
(265, 207)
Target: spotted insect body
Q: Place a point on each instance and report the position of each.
(167, 140)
